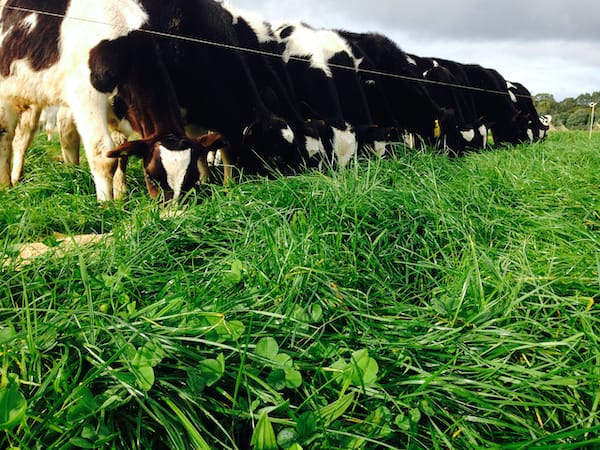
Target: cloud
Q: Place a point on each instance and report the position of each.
(481, 19)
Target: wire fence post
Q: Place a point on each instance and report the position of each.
(593, 106)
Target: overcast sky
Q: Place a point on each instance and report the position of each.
(550, 46)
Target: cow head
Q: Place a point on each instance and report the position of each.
(376, 139)
(316, 144)
(545, 122)
(170, 162)
(269, 144)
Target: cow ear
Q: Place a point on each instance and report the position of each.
(211, 141)
(134, 148)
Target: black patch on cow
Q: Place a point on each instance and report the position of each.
(175, 143)
(37, 45)
(287, 32)
(119, 107)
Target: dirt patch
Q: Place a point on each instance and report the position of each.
(28, 252)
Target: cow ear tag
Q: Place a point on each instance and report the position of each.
(437, 130)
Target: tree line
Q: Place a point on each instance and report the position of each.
(572, 112)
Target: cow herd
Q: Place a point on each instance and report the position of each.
(193, 76)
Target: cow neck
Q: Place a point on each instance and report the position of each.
(153, 108)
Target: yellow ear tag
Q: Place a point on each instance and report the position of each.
(437, 130)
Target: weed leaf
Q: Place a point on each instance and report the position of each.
(267, 348)
(13, 407)
(263, 437)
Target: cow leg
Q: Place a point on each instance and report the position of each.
(193, 131)
(90, 114)
(70, 141)
(25, 131)
(8, 123)
(227, 166)
(203, 169)
(119, 179)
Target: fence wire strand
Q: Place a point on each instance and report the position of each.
(268, 54)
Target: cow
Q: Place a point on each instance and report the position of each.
(494, 105)
(538, 126)
(408, 99)
(212, 79)
(76, 53)
(449, 87)
(313, 58)
(274, 81)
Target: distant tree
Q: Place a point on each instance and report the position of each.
(545, 103)
(583, 99)
(572, 112)
(568, 104)
(579, 119)
(560, 119)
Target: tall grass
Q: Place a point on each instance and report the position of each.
(411, 302)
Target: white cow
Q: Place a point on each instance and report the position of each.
(76, 53)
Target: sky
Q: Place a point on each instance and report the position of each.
(550, 46)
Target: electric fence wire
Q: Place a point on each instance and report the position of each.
(268, 54)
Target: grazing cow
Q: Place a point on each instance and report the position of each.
(465, 94)
(332, 85)
(77, 52)
(449, 87)
(538, 126)
(213, 83)
(546, 120)
(308, 55)
(495, 106)
(274, 83)
(408, 98)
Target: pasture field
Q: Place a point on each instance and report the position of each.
(415, 302)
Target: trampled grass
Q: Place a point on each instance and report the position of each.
(413, 302)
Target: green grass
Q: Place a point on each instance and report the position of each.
(414, 302)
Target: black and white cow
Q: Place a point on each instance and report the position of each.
(538, 126)
(275, 85)
(494, 105)
(255, 35)
(77, 52)
(213, 82)
(449, 87)
(406, 96)
(306, 54)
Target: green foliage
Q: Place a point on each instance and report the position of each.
(13, 407)
(263, 437)
(283, 373)
(361, 370)
(407, 302)
(578, 119)
(571, 112)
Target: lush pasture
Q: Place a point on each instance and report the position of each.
(414, 302)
